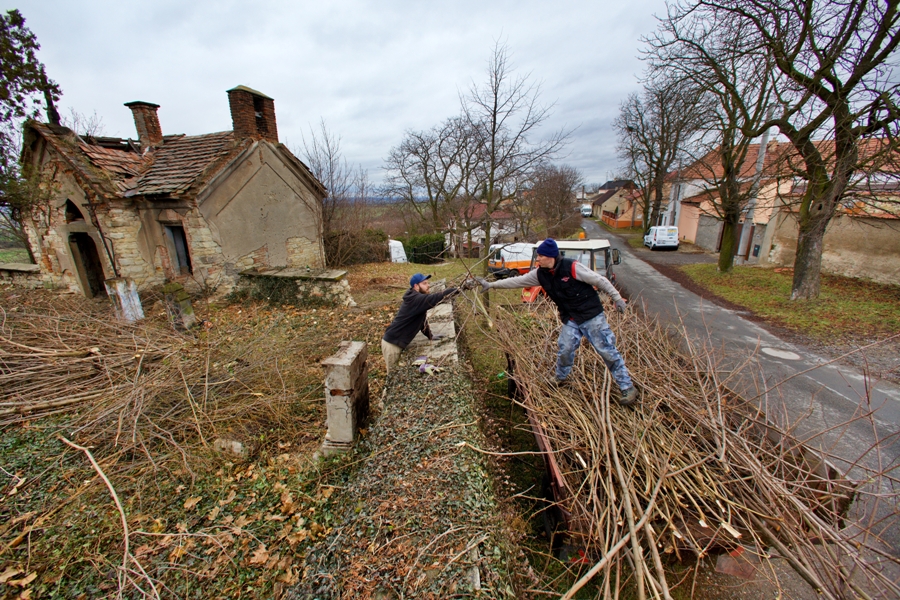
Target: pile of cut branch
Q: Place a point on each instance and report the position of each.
(142, 389)
(693, 470)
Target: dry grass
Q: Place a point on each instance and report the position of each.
(149, 402)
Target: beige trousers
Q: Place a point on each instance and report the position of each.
(391, 355)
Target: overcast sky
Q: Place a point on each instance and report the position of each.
(371, 70)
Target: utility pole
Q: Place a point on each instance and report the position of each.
(754, 189)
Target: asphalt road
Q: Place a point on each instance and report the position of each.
(794, 384)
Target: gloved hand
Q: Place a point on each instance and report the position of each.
(485, 286)
(469, 284)
(429, 369)
(620, 305)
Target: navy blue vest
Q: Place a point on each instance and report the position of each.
(575, 299)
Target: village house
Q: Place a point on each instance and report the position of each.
(466, 234)
(693, 197)
(618, 203)
(196, 210)
(860, 241)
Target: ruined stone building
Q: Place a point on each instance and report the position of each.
(197, 210)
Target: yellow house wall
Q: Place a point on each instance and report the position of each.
(688, 219)
(853, 246)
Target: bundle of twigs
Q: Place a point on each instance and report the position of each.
(694, 469)
(139, 389)
(52, 361)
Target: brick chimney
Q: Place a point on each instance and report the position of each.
(252, 114)
(146, 121)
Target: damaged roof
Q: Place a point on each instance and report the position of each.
(116, 168)
(177, 164)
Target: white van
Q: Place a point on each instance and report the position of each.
(662, 237)
(587, 210)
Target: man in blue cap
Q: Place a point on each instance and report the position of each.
(571, 287)
(410, 319)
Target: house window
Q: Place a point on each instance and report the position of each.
(73, 213)
(178, 242)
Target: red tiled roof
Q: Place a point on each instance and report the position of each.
(116, 168)
(781, 160)
(709, 167)
(477, 211)
(119, 165)
(177, 163)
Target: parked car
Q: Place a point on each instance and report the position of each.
(662, 237)
(587, 210)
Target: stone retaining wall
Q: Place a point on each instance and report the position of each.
(21, 275)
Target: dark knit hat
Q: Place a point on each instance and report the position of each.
(548, 248)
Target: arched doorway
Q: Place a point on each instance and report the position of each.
(87, 263)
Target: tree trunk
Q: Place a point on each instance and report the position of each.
(726, 251)
(645, 212)
(816, 210)
(657, 203)
(808, 262)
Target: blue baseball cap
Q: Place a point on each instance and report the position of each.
(417, 279)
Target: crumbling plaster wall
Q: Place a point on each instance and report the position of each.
(48, 232)
(262, 204)
(121, 223)
(254, 214)
(853, 246)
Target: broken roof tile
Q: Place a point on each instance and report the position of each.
(178, 162)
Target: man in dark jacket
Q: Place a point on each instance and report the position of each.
(571, 287)
(410, 319)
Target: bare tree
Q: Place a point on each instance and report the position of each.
(84, 125)
(654, 130)
(434, 171)
(343, 210)
(552, 202)
(505, 112)
(736, 88)
(833, 70)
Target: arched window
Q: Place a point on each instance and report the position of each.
(72, 212)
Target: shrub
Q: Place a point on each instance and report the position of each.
(343, 248)
(424, 249)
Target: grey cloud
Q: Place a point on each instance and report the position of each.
(371, 70)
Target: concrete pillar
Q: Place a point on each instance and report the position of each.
(178, 305)
(346, 395)
(124, 295)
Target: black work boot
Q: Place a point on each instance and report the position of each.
(629, 397)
